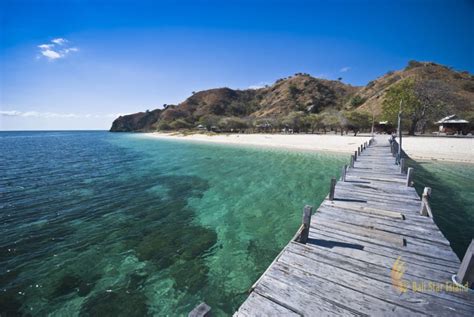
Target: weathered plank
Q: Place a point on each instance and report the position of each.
(265, 306)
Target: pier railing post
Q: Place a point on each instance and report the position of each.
(352, 161)
(425, 209)
(332, 188)
(306, 221)
(410, 177)
(358, 151)
(466, 269)
(402, 165)
(355, 156)
(201, 310)
(343, 173)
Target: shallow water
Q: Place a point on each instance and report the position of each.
(452, 199)
(95, 223)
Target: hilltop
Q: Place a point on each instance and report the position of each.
(304, 102)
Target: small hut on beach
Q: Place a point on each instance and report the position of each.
(453, 125)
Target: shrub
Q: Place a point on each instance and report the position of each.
(180, 124)
(357, 101)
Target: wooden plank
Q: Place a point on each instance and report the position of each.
(368, 232)
(301, 300)
(347, 295)
(416, 232)
(411, 246)
(380, 289)
(368, 210)
(257, 305)
(383, 249)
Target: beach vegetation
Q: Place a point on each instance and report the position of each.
(357, 121)
(180, 124)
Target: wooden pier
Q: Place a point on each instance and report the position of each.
(371, 248)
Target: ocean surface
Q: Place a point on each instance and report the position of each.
(105, 224)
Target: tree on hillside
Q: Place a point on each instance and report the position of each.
(412, 109)
(233, 124)
(356, 101)
(315, 121)
(357, 120)
(209, 121)
(330, 121)
(180, 124)
(293, 90)
(294, 120)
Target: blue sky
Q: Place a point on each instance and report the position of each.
(77, 64)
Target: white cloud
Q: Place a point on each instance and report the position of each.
(344, 69)
(56, 49)
(48, 115)
(51, 54)
(46, 46)
(59, 41)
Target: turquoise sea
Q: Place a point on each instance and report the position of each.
(104, 224)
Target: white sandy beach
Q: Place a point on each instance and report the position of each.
(421, 148)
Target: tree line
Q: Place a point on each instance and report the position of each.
(296, 122)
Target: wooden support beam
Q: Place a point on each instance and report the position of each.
(332, 188)
(343, 173)
(425, 209)
(410, 177)
(352, 161)
(402, 166)
(466, 269)
(305, 224)
(201, 310)
(358, 151)
(395, 148)
(355, 156)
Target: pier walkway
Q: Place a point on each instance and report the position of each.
(371, 248)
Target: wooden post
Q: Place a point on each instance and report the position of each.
(305, 223)
(201, 310)
(400, 131)
(343, 173)
(358, 151)
(352, 161)
(332, 188)
(425, 209)
(402, 166)
(410, 177)
(355, 156)
(466, 269)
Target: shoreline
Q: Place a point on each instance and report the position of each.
(437, 149)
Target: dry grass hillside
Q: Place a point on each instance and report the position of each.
(298, 97)
(454, 90)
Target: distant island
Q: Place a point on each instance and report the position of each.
(302, 103)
